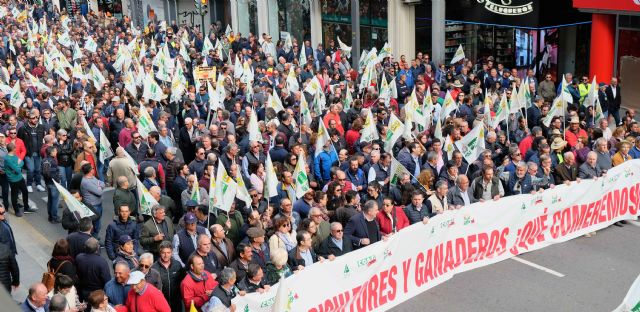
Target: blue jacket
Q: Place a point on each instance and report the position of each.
(357, 179)
(116, 292)
(526, 186)
(25, 307)
(635, 152)
(116, 229)
(322, 165)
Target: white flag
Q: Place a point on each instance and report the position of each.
(105, 147)
(242, 193)
(394, 132)
(17, 98)
(472, 145)
(237, 68)
(151, 89)
(305, 111)
(322, 138)
(271, 179)
(458, 56)
(557, 109)
(369, 131)
(77, 53)
(502, 113)
(206, 46)
(146, 199)
(96, 77)
(396, 171)
(226, 189)
(254, 129)
(275, 102)
(292, 82)
(145, 123)
(300, 177)
(90, 45)
(72, 203)
(345, 48)
(448, 106)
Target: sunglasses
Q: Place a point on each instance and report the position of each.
(338, 231)
(144, 266)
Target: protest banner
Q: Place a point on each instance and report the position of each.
(631, 302)
(205, 73)
(420, 257)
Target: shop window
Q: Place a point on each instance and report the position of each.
(247, 17)
(294, 18)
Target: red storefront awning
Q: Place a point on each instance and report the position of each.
(620, 6)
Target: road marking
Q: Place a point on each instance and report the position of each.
(539, 267)
(636, 223)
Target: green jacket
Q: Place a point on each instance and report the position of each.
(125, 197)
(237, 222)
(67, 119)
(13, 168)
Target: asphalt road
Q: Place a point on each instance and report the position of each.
(597, 273)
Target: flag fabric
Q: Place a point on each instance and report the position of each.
(448, 106)
(254, 130)
(146, 199)
(518, 100)
(226, 189)
(385, 92)
(90, 45)
(396, 171)
(105, 148)
(206, 46)
(96, 77)
(408, 122)
(242, 193)
(292, 82)
(472, 145)
(195, 190)
(77, 53)
(65, 40)
(77, 71)
(214, 98)
(212, 190)
(322, 138)
(458, 56)
(237, 68)
(303, 56)
(314, 86)
(394, 132)
(17, 98)
(131, 162)
(247, 73)
(369, 130)
(566, 95)
(288, 44)
(275, 102)
(437, 133)
(345, 48)
(348, 99)
(502, 113)
(305, 112)
(145, 123)
(151, 89)
(130, 83)
(72, 203)
(282, 301)
(592, 95)
(487, 110)
(271, 179)
(417, 112)
(184, 53)
(448, 146)
(557, 109)
(300, 177)
(193, 307)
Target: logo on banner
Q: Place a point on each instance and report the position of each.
(506, 7)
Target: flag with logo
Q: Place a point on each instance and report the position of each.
(212, 190)
(322, 138)
(557, 109)
(288, 44)
(77, 53)
(369, 131)
(458, 56)
(226, 189)
(448, 106)
(292, 82)
(271, 179)
(502, 113)
(65, 40)
(395, 129)
(592, 95)
(305, 112)
(247, 73)
(206, 46)
(300, 177)
(242, 193)
(90, 45)
(17, 98)
(303, 56)
(146, 199)
(448, 146)
(472, 145)
(348, 99)
(437, 133)
(96, 77)
(195, 190)
(275, 102)
(314, 86)
(408, 122)
(396, 171)
(346, 50)
(105, 148)
(418, 112)
(130, 83)
(72, 203)
(487, 110)
(566, 95)
(145, 123)
(151, 89)
(237, 68)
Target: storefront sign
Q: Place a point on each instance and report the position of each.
(506, 7)
(618, 5)
(422, 256)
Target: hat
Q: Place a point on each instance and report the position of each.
(124, 238)
(135, 277)
(556, 132)
(115, 99)
(558, 143)
(255, 232)
(575, 119)
(190, 218)
(457, 84)
(191, 203)
(602, 84)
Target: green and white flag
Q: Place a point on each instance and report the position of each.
(247, 73)
(319, 103)
(303, 56)
(448, 106)
(77, 71)
(369, 131)
(130, 83)
(89, 131)
(151, 89)
(206, 46)
(394, 132)
(47, 61)
(313, 87)
(566, 95)
(288, 44)
(592, 95)
(184, 54)
(346, 50)
(130, 161)
(416, 112)
(77, 53)
(60, 71)
(195, 190)
(271, 179)
(105, 147)
(502, 113)
(253, 128)
(226, 189)
(472, 145)
(322, 138)
(487, 110)
(408, 122)
(275, 102)
(448, 146)
(90, 45)
(146, 199)
(96, 77)
(557, 109)
(305, 111)
(385, 92)
(396, 171)
(300, 177)
(348, 99)
(292, 82)
(17, 98)
(437, 133)
(458, 56)
(145, 123)
(242, 193)
(65, 40)
(72, 203)
(212, 191)
(237, 68)
(215, 99)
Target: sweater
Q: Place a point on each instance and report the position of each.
(150, 300)
(13, 168)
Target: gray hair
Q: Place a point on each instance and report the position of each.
(155, 209)
(146, 255)
(171, 150)
(62, 132)
(149, 172)
(592, 153)
(369, 205)
(461, 178)
(568, 155)
(532, 165)
(227, 275)
(441, 183)
(121, 180)
(58, 303)
(91, 245)
(522, 165)
(431, 156)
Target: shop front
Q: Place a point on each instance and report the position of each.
(336, 22)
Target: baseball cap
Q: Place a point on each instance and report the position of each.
(190, 218)
(191, 203)
(124, 239)
(135, 278)
(255, 232)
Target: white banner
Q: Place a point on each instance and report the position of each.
(631, 302)
(385, 274)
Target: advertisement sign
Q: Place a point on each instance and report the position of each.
(422, 256)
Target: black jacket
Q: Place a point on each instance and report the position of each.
(9, 271)
(328, 247)
(295, 259)
(614, 102)
(25, 133)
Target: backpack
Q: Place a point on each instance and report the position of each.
(49, 277)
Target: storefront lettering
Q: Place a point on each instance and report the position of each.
(506, 8)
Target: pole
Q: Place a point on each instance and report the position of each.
(355, 33)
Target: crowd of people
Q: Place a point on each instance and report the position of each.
(62, 122)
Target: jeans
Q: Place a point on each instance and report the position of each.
(65, 176)
(4, 183)
(16, 187)
(96, 223)
(33, 163)
(52, 201)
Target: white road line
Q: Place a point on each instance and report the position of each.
(539, 267)
(636, 223)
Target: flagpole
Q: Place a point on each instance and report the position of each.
(156, 224)
(507, 120)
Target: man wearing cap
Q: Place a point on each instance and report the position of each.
(259, 249)
(144, 297)
(185, 241)
(574, 132)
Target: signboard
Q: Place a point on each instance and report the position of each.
(205, 73)
(617, 5)
(422, 256)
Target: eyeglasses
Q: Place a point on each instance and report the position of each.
(144, 266)
(342, 180)
(316, 216)
(287, 225)
(255, 195)
(13, 133)
(34, 117)
(338, 231)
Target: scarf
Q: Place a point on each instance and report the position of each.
(288, 244)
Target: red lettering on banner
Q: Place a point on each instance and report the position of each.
(438, 261)
(429, 273)
(555, 225)
(471, 249)
(624, 201)
(360, 297)
(493, 243)
(461, 250)
(594, 214)
(482, 246)
(391, 294)
(503, 241)
(420, 276)
(448, 258)
(372, 298)
(328, 305)
(602, 211)
(633, 198)
(406, 264)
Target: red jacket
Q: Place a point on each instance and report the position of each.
(385, 222)
(151, 300)
(21, 150)
(196, 291)
(525, 145)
